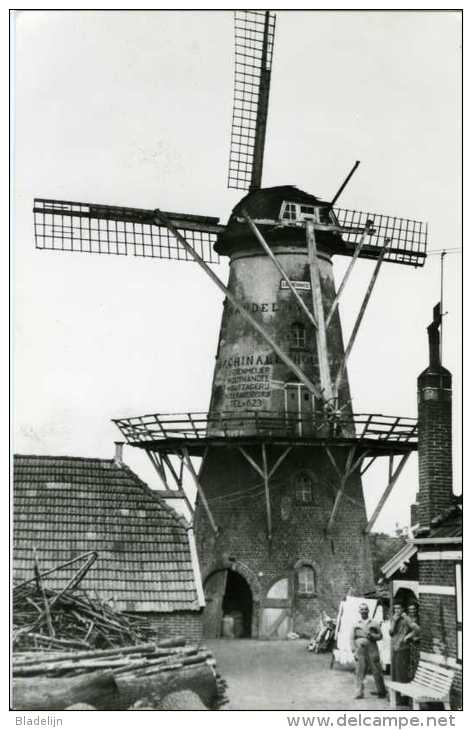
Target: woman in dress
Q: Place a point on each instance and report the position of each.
(413, 639)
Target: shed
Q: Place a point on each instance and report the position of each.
(147, 562)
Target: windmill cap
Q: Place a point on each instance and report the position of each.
(265, 204)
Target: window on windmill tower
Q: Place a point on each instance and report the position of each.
(303, 488)
(298, 335)
(306, 584)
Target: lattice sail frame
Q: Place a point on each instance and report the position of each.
(408, 238)
(62, 225)
(254, 43)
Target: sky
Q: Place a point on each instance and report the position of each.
(134, 108)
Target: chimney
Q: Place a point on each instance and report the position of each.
(434, 432)
(118, 458)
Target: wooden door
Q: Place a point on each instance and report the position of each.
(307, 411)
(292, 407)
(214, 588)
(300, 408)
(276, 616)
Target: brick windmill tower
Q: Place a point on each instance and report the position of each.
(280, 518)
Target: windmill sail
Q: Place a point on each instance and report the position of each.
(408, 238)
(254, 42)
(63, 225)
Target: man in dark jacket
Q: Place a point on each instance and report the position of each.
(364, 637)
(403, 630)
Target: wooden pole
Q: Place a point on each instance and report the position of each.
(161, 219)
(354, 168)
(346, 276)
(252, 462)
(340, 491)
(318, 309)
(369, 463)
(262, 107)
(267, 493)
(441, 312)
(392, 481)
(266, 475)
(333, 461)
(348, 470)
(279, 267)
(178, 481)
(279, 461)
(39, 582)
(201, 494)
(360, 316)
(159, 469)
(196, 567)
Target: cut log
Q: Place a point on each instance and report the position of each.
(200, 679)
(82, 665)
(45, 693)
(177, 641)
(184, 700)
(36, 657)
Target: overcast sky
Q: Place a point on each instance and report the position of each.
(134, 108)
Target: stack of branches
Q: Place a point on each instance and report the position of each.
(70, 618)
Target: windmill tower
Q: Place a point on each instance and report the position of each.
(280, 518)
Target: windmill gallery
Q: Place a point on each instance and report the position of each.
(278, 535)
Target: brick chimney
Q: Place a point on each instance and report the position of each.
(434, 432)
(118, 458)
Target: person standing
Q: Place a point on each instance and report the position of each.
(401, 631)
(364, 637)
(413, 639)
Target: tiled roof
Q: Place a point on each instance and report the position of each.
(447, 529)
(447, 524)
(66, 506)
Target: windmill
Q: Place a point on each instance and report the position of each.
(280, 517)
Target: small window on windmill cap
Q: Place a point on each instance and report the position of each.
(307, 211)
(288, 211)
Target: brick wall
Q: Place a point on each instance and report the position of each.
(438, 617)
(341, 559)
(438, 624)
(437, 572)
(179, 623)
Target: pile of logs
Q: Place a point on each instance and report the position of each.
(44, 618)
(115, 678)
(72, 649)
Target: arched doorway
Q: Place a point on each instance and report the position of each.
(405, 596)
(228, 596)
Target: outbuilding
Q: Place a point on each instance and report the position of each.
(147, 562)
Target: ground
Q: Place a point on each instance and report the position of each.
(283, 675)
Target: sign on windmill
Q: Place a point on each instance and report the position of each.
(280, 507)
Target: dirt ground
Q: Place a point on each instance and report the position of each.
(283, 675)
